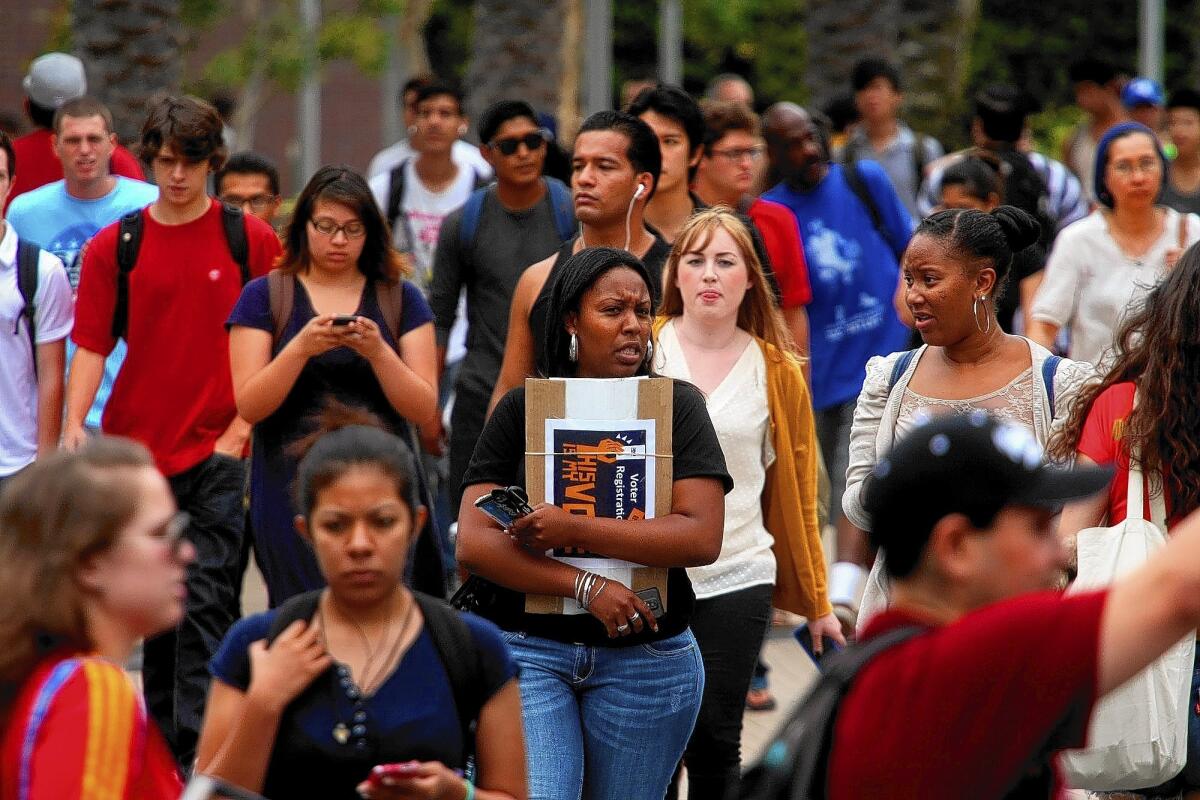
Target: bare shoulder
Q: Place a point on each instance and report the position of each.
(531, 281)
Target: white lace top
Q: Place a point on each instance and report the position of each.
(738, 407)
(1012, 402)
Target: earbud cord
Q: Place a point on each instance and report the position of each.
(628, 230)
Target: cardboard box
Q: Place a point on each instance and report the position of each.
(596, 447)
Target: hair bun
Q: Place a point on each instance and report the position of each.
(1020, 228)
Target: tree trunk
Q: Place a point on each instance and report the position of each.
(516, 54)
(839, 34)
(934, 63)
(131, 49)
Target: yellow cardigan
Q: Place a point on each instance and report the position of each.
(790, 493)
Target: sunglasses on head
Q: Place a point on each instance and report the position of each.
(532, 141)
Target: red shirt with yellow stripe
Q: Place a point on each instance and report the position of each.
(78, 729)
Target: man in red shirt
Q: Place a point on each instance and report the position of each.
(732, 148)
(1007, 672)
(174, 392)
(53, 79)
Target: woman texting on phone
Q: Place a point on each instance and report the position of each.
(335, 339)
(308, 699)
(720, 330)
(91, 561)
(616, 689)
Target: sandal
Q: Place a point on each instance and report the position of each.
(760, 700)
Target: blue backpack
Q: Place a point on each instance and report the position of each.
(1049, 368)
(560, 203)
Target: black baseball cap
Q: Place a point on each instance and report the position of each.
(973, 465)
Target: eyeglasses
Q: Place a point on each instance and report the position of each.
(327, 227)
(258, 202)
(738, 154)
(172, 532)
(1147, 166)
(532, 141)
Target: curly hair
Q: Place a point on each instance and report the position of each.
(1158, 348)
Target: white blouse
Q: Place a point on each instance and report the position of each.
(738, 407)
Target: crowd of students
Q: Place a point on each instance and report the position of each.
(333, 393)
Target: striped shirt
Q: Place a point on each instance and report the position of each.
(79, 730)
(1066, 201)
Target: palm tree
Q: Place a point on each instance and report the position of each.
(132, 50)
(516, 52)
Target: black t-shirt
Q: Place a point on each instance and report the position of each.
(655, 260)
(500, 458)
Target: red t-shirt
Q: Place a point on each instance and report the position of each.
(38, 164)
(174, 392)
(1102, 440)
(972, 708)
(781, 236)
(79, 730)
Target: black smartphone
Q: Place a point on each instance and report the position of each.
(344, 319)
(505, 506)
(804, 637)
(653, 600)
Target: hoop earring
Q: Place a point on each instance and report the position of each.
(573, 349)
(649, 351)
(975, 314)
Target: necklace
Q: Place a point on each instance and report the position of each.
(343, 681)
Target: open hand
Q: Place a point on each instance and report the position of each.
(828, 625)
(279, 673)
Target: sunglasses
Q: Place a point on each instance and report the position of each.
(532, 141)
(172, 532)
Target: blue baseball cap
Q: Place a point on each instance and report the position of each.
(1143, 91)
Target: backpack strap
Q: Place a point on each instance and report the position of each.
(563, 207)
(462, 660)
(129, 242)
(1049, 370)
(480, 182)
(858, 185)
(233, 220)
(795, 763)
(899, 368)
(468, 226)
(28, 256)
(281, 291)
(395, 192)
(302, 606)
(390, 297)
(920, 141)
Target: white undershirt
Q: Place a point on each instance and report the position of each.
(738, 407)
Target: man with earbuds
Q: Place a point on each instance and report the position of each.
(614, 174)
(420, 192)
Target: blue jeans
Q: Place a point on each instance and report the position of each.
(625, 712)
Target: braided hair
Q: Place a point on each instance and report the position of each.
(987, 239)
(568, 283)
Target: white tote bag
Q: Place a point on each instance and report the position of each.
(1138, 734)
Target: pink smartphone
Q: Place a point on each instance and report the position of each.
(407, 769)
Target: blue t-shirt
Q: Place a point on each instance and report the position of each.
(61, 224)
(412, 715)
(854, 271)
(340, 374)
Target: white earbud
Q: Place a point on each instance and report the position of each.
(641, 190)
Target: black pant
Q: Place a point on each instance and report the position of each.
(466, 426)
(175, 663)
(729, 629)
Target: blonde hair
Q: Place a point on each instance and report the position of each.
(759, 314)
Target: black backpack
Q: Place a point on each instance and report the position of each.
(795, 764)
(858, 185)
(452, 640)
(129, 242)
(395, 199)
(28, 255)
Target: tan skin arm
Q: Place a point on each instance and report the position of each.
(1044, 333)
(1083, 514)
(87, 370)
(1028, 290)
(797, 322)
(518, 361)
(51, 360)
